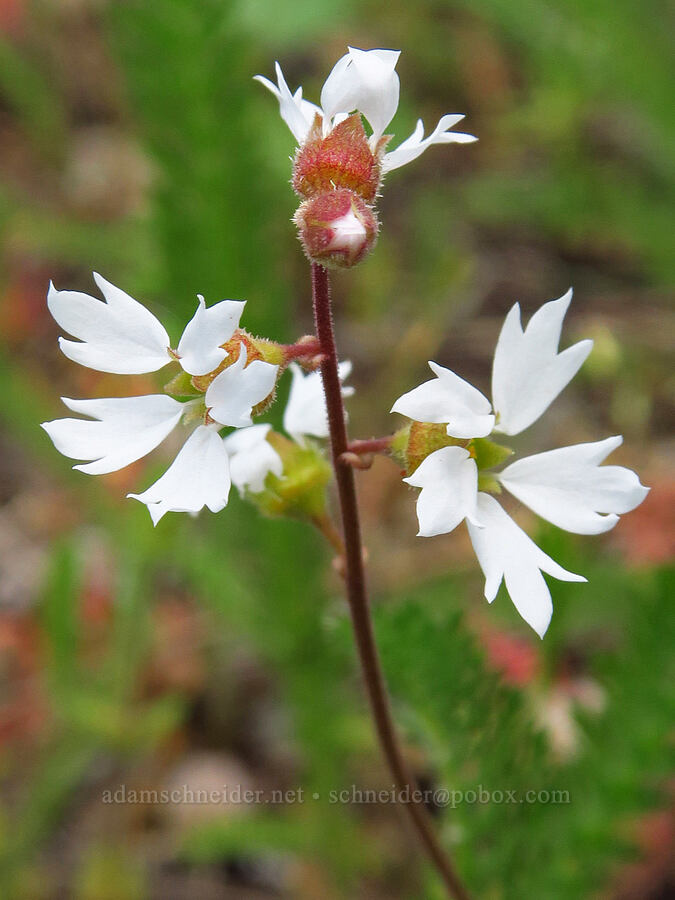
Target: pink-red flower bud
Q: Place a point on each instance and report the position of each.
(337, 228)
(342, 159)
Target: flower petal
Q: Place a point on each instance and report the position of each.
(252, 458)
(528, 373)
(123, 430)
(234, 392)
(416, 144)
(119, 336)
(199, 348)
(448, 399)
(305, 412)
(567, 487)
(505, 551)
(297, 113)
(199, 476)
(449, 481)
(364, 80)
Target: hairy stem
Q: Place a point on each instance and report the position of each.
(371, 445)
(357, 594)
(307, 347)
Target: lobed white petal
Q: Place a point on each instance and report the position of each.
(297, 113)
(119, 335)
(448, 399)
(199, 348)
(234, 392)
(416, 144)
(364, 80)
(528, 373)
(449, 481)
(119, 431)
(505, 552)
(252, 458)
(305, 412)
(199, 476)
(568, 488)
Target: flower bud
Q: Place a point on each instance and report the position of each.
(337, 228)
(342, 159)
(300, 491)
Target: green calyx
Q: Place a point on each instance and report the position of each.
(181, 386)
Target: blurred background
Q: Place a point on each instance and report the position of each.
(217, 651)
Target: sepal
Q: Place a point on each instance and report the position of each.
(488, 454)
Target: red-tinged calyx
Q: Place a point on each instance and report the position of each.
(256, 348)
(337, 228)
(342, 159)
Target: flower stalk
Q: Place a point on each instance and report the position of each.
(357, 596)
(371, 445)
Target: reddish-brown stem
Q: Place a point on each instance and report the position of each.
(357, 594)
(371, 445)
(307, 346)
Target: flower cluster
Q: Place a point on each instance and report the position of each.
(450, 459)
(223, 388)
(338, 169)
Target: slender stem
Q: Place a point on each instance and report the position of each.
(357, 594)
(307, 346)
(325, 525)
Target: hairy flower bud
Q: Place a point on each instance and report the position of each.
(342, 159)
(337, 228)
(300, 491)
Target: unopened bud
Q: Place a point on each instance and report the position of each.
(337, 228)
(342, 159)
(300, 491)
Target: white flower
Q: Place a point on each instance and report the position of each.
(363, 81)
(565, 486)
(122, 336)
(305, 412)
